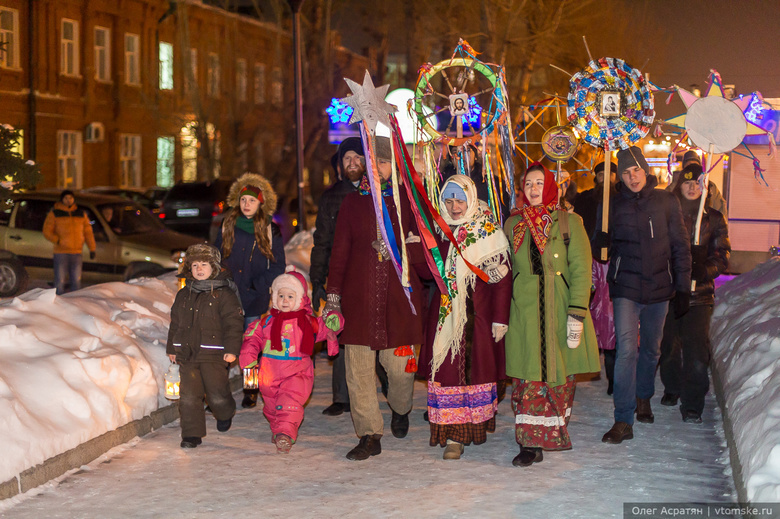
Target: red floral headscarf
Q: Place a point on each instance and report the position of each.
(536, 219)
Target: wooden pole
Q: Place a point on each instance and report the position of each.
(703, 200)
(605, 198)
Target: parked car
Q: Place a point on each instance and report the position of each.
(13, 275)
(190, 207)
(130, 241)
(157, 194)
(136, 194)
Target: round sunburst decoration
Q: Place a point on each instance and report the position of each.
(610, 103)
(559, 143)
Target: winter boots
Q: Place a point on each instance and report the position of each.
(368, 446)
(283, 443)
(224, 425)
(644, 413)
(399, 424)
(669, 399)
(453, 450)
(528, 456)
(190, 442)
(335, 409)
(250, 398)
(619, 432)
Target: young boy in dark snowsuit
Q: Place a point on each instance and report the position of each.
(207, 324)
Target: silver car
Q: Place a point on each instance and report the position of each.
(130, 241)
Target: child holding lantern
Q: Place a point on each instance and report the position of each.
(286, 337)
(204, 338)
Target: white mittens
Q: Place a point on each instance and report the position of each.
(574, 326)
(499, 330)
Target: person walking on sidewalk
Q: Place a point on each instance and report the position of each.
(650, 261)
(204, 338)
(550, 337)
(252, 248)
(463, 355)
(67, 227)
(285, 337)
(378, 317)
(685, 348)
(350, 167)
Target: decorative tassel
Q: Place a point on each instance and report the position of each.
(657, 132)
(758, 172)
(407, 351)
(669, 99)
(772, 146)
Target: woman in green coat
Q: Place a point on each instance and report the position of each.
(551, 336)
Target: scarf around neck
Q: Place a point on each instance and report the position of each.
(246, 224)
(483, 244)
(536, 218)
(364, 188)
(305, 322)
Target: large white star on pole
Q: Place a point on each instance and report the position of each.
(368, 103)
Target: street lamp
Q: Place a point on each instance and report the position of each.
(295, 6)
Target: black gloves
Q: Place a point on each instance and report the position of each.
(316, 294)
(681, 304)
(91, 254)
(699, 263)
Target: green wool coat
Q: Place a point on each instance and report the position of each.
(567, 282)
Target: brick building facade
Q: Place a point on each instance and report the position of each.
(143, 92)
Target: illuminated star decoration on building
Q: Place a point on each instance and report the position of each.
(369, 103)
(338, 112)
(713, 119)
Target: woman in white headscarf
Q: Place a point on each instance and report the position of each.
(463, 356)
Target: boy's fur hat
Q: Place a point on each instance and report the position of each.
(253, 179)
(201, 252)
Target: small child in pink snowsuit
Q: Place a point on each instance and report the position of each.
(286, 337)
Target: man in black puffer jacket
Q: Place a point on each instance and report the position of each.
(350, 164)
(685, 349)
(650, 261)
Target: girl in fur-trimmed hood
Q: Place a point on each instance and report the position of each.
(251, 247)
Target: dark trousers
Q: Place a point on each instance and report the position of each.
(197, 379)
(339, 378)
(685, 357)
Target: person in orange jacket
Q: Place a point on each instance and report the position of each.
(67, 227)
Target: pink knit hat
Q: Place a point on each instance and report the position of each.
(296, 282)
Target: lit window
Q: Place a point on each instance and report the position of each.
(212, 87)
(165, 157)
(69, 45)
(68, 159)
(9, 35)
(166, 66)
(130, 159)
(102, 54)
(241, 79)
(132, 59)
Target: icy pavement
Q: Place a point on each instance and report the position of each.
(239, 472)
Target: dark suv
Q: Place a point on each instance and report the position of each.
(190, 206)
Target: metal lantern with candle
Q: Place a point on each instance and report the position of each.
(172, 382)
(251, 377)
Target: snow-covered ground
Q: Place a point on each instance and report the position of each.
(239, 474)
(745, 335)
(76, 366)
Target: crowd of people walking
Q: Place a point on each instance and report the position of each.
(520, 310)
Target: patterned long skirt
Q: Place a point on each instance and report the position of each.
(542, 413)
(464, 414)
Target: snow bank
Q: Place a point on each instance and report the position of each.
(76, 366)
(79, 365)
(746, 349)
